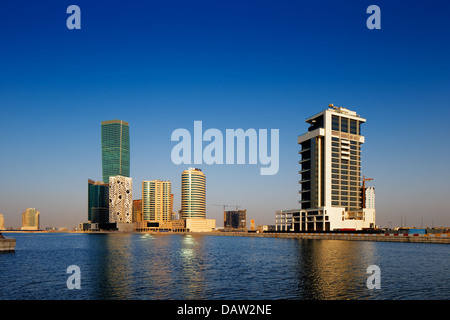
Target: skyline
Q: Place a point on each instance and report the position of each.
(231, 65)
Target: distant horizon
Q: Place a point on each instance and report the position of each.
(250, 65)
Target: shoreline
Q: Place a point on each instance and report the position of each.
(443, 238)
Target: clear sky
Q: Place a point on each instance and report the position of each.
(161, 65)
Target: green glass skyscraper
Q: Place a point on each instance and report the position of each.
(115, 149)
(98, 201)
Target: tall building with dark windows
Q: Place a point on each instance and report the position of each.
(330, 159)
(235, 220)
(115, 149)
(98, 202)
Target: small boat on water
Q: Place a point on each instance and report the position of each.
(7, 244)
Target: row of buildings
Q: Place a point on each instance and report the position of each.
(30, 220)
(333, 192)
(110, 202)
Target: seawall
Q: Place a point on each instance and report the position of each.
(443, 238)
(7, 244)
(419, 238)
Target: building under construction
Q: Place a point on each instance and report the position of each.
(235, 220)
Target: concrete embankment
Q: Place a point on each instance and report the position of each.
(7, 244)
(420, 238)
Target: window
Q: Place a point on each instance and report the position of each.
(353, 125)
(335, 123)
(344, 125)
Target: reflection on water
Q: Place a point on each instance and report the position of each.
(192, 264)
(188, 267)
(333, 269)
(114, 266)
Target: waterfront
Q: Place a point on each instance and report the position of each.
(205, 267)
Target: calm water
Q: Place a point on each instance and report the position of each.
(179, 267)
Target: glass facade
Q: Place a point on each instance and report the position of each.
(344, 158)
(346, 174)
(98, 202)
(236, 220)
(193, 194)
(115, 149)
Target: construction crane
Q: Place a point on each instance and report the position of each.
(364, 179)
(226, 205)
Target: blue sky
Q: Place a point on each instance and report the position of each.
(161, 65)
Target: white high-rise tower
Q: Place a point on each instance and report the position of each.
(330, 159)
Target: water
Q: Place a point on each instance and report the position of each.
(188, 267)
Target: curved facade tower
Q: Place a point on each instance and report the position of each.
(193, 194)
